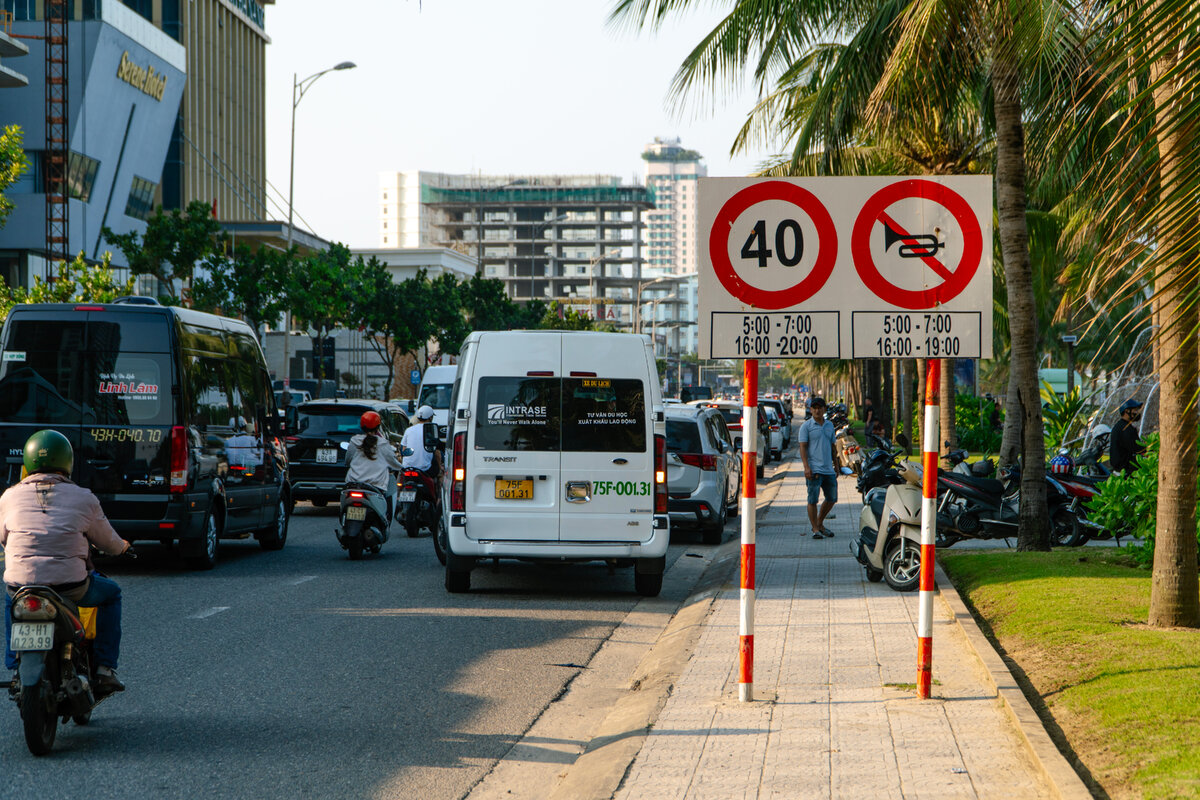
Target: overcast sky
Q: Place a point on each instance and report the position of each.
(461, 86)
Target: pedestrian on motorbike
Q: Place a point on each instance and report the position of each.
(370, 459)
(816, 438)
(47, 523)
(422, 458)
(1123, 444)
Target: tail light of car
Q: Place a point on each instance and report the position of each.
(292, 439)
(458, 484)
(179, 459)
(704, 462)
(660, 474)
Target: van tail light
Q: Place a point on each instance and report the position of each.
(660, 474)
(458, 484)
(179, 459)
(704, 462)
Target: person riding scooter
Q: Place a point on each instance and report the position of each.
(428, 462)
(370, 459)
(47, 523)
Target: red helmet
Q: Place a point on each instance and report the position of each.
(369, 421)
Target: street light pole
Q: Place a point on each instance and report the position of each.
(637, 303)
(298, 89)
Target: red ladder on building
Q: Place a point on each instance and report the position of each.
(55, 163)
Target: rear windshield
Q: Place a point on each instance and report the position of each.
(72, 387)
(683, 436)
(435, 395)
(733, 416)
(329, 420)
(572, 414)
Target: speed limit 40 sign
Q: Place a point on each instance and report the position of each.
(872, 267)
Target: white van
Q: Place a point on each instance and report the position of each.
(435, 389)
(557, 448)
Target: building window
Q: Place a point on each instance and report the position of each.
(385, 223)
(141, 199)
(81, 176)
(385, 240)
(21, 10)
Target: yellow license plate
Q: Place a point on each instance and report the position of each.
(514, 490)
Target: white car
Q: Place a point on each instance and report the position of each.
(704, 470)
(731, 410)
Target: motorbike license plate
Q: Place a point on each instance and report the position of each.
(406, 497)
(514, 490)
(32, 636)
(356, 512)
(327, 455)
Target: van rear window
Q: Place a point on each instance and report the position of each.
(606, 415)
(576, 415)
(518, 414)
(72, 387)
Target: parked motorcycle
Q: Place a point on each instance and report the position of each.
(1080, 489)
(849, 453)
(889, 540)
(879, 467)
(363, 519)
(986, 508)
(52, 639)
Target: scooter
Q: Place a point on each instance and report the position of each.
(52, 639)
(363, 519)
(849, 453)
(985, 508)
(889, 539)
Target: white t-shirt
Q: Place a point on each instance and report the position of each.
(414, 439)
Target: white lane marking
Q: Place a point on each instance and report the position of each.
(208, 612)
(300, 580)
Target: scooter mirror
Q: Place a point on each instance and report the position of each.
(345, 445)
(847, 471)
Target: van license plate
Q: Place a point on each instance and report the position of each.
(514, 490)
(406, 497)
(356, 512)
(327, 456)
(32, 636)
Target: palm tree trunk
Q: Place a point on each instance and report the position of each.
(949, 438)
(1173, 593)
(906, 396)
(1024, 400)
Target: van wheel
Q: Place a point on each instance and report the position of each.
(439, 542)
(274, 536)
(202, 553)
(458, 580)
(647, 584)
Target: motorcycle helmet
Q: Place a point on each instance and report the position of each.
(425, 413)
(1061, 465)
(48, 451)
(369, 421)
(1101, 430)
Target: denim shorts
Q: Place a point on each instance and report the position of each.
(821, 481)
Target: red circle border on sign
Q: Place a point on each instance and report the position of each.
(915, 299)
(718, 245)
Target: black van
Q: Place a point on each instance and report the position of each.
(170, 413)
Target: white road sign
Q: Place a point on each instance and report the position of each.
(871, 267)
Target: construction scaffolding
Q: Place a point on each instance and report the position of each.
(55, 163)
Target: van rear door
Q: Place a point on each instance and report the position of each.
(513, 459)
(607, 481)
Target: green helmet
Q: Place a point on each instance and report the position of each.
(48, 451)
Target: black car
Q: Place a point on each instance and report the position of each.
(317, 434)
(170, 413)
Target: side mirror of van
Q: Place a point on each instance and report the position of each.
(412, 407)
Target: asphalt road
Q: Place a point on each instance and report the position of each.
(302, 674)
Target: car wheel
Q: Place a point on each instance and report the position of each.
(736, 508)
(274, 536)
(715, 532)
(319, 503)
(201, 553)
(647, 584)
(761, 471)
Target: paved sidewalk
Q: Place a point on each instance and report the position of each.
(835, 712)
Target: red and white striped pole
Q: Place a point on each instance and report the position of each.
(928, 530)
(749, 473)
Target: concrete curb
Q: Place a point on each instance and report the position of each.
(1058, 771)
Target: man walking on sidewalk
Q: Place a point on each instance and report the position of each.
(816, 451)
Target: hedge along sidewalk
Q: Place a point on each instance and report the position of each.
(1119, 697)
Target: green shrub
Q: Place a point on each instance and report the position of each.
(1061, 420)
(973, 424)
(1127, 505)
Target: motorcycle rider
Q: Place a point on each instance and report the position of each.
(1123, 445)
(47, 522)
(422, 459)
(370, 459)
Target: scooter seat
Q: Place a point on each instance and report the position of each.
(987, 485)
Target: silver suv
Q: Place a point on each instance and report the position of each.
(704, 470)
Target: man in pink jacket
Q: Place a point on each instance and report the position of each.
(46, 525)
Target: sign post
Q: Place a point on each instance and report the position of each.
(749, 502)
(880, 267)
